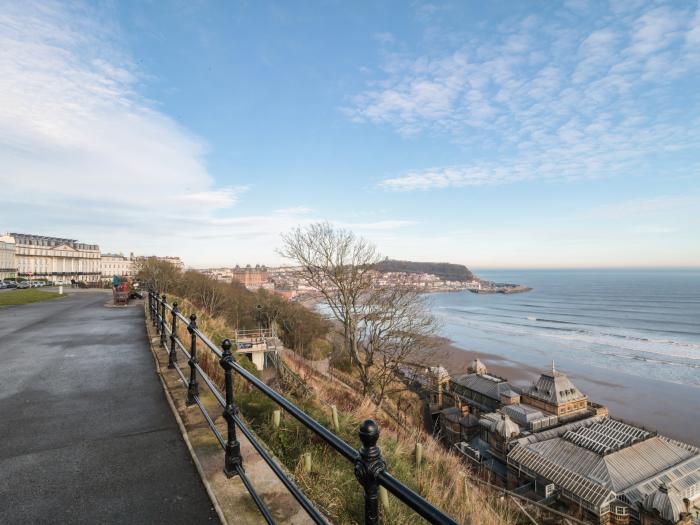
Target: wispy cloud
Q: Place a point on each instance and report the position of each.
(75, 135)
(547, 100)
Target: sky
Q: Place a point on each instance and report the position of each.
(491, 134)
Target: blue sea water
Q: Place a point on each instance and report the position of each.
(643, 323)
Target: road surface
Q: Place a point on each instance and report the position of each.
(86, 433)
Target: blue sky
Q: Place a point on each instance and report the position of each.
(499, 135)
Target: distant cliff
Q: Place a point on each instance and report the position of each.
(446, 271)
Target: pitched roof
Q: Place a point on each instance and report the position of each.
(632, 470)
(485, 384)
(595, 494)
(522, 414)
(667, 501)
(554, 387)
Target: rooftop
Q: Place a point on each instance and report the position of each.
(554, 387)
(618, 458)
(522, 413)
(490, 386)
(43, 240)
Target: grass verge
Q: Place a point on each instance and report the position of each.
(16, 297)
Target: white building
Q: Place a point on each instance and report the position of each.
(53, 258)
(112, 264)
(166, 258)
(173, 260)
(8, 264)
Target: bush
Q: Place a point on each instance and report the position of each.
(318, 349)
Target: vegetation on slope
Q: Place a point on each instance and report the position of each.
(331, 484)
(298, 327)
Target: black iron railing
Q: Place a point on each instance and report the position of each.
(370, 468)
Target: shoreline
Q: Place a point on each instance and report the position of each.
(666, 407)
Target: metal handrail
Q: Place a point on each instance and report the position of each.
(370, 468)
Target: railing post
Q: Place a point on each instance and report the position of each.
(233, 458)
(154, 312)
(192, 388)
(162, 320)
(172, 357)
(368, 467)
(156, 309)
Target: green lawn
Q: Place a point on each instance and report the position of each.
(14, 297)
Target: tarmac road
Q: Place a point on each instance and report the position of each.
(86, 433)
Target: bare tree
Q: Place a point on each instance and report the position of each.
(381, 325)
(396, 329)
(161, 275)
(205, 292)
(337, 264)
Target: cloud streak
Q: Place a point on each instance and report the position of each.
(73, 128)
(546, 100)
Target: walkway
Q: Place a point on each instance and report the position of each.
(86, 434)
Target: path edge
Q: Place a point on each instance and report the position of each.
(181, 426)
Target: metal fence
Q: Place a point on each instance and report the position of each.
(369, 466)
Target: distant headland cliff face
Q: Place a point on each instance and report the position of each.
(446, 271)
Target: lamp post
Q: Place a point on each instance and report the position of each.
(258, 315)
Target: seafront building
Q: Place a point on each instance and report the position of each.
(53, 258)
(555, 394)
(610, 471)
(8, 265)
(40, 257)
(112, 264)
(552, 444)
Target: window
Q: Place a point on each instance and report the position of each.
(621, 510)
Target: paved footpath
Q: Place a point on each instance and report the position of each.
(86, 433)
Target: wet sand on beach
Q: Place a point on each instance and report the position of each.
(669, 408)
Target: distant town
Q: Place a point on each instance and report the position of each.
(62, 260)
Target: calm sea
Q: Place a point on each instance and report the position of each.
(643, 323)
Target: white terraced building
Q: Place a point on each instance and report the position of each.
(8, 266)
(54, 258)
(112, 264)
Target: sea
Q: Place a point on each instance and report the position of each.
(640, 324)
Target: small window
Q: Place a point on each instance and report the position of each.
(621, 510)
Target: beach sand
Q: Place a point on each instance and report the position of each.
(669, 408)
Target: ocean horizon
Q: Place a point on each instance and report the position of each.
(644, 322)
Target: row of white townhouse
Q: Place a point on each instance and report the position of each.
(62, 260)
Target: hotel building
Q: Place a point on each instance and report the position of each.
(53, 258)
(8, 266)
(252, 278)
(112, 264)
